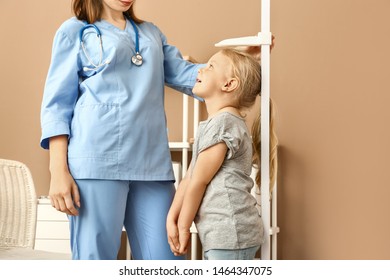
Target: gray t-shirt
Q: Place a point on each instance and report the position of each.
(228, 217)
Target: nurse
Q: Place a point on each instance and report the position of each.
(103, 121)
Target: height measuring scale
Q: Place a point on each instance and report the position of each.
(268, 207)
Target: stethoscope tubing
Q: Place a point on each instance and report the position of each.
(136, 58)
(136, 36)
(91, 25)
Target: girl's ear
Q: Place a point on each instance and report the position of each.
(230, 85)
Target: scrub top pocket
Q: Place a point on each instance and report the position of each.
(95, 132)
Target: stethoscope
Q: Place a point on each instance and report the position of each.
(136, 59)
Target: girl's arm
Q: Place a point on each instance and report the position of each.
(64, 193)
(207, 165)
(174, 211)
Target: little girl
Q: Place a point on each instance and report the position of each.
(216, 191)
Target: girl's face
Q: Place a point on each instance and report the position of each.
(214, 76)
(117, 5)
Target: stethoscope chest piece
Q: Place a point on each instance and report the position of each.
(137, 59)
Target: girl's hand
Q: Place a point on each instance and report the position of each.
(64, 193)
(184, 237)
(173, 236)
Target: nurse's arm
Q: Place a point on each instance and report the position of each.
(64, 193)
(208, 163)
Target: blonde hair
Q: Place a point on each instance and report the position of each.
(91, 11)
(247, 71)
(273, 148)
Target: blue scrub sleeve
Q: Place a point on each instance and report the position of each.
(61, 89)
(179, 73)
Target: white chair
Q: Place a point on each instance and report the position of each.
(18, 214)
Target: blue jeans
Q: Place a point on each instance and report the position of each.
(239, 254)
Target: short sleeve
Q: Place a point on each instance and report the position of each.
(222, 128)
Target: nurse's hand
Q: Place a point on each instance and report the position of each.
(64, 193)
(255, 51)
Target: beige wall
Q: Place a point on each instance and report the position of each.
(26, 34)
(329, 75)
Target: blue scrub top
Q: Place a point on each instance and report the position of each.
(114, 116)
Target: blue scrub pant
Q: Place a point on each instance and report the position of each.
(107, 206)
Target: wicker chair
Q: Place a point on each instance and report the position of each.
(18, 214)
(18, 205)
